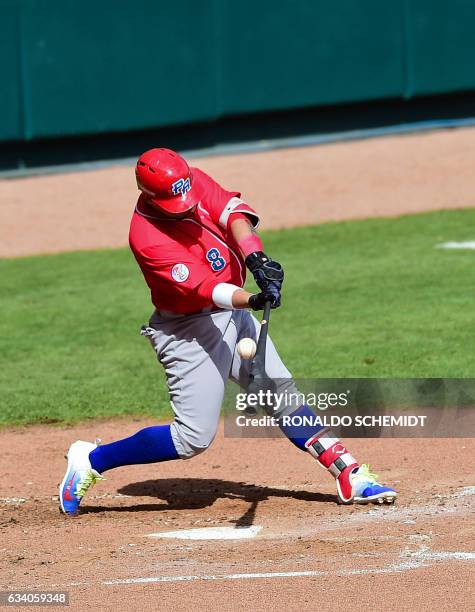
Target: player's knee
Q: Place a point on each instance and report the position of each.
(193, 451)
(289, 398)
(190, 443)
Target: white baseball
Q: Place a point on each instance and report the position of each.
(246, 347)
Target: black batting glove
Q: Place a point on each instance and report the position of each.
(268, 274)
(258, 300)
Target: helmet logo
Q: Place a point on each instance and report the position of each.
(181, 186)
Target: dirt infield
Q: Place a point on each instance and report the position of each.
(309, 552)
(348, 180)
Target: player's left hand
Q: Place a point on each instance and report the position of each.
(268, 274)
(258, 300)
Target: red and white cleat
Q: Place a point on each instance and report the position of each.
(354, 483)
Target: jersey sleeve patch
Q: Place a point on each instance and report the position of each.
(180, 272)
(236, 205)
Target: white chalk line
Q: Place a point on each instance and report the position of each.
(15, 501)
(457, 245)
(153, 579)
(420, 558)
(410, 560)
(21, 500)
(463, 492)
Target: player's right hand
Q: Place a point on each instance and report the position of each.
(268, 274)
(258, 300)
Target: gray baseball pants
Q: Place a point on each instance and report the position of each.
(199, 355)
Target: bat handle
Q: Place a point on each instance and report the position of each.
(266, 311)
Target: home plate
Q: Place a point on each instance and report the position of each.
(457, 245)
(210, 533)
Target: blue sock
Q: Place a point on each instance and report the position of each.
(300, 432)
(148, 445)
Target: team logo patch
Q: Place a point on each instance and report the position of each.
(181, 186)
(180, 273)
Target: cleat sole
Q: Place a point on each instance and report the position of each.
(380, 500)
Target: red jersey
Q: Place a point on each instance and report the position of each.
(183, 260)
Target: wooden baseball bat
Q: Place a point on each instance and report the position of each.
(257, 374)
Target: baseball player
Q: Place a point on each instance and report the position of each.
(193, 241)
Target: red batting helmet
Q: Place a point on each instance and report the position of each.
(164, 176)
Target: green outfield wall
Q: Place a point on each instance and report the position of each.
(72, 68)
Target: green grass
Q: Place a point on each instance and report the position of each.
(369, 298)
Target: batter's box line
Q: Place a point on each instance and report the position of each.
(409, 560)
